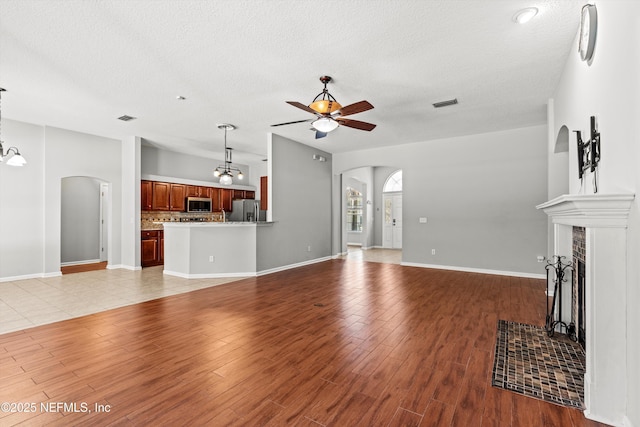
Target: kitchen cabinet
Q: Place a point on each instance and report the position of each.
(226, 197)
(243, 194)
(177, 197)
(198, 191)
(263, 192)
(216, 205)
(152, 248)
(146, 195)
(168, 196)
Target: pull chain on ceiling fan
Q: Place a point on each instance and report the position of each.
(329, 113)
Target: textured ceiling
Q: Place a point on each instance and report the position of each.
(81, 64)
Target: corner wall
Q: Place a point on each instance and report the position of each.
(300, 204)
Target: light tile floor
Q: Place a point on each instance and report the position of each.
(387, 256)
(28, 303)
(33, 302)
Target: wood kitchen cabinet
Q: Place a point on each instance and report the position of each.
(226, 197)
(168, 196)
(177, 198)
(243, 194)
(146, 195)
(198, 191)
(263, 192)
(152, 248)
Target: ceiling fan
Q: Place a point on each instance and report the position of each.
(329, 114)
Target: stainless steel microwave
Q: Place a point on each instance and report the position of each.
(198, 204)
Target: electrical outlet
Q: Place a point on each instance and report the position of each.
(422, 220)
(212, 258)
(433, 251)
(309, 248)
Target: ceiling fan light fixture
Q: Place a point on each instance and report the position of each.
(325, 124)
(325, 106)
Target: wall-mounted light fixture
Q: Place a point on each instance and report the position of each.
(226, 171)
(319, 158)
(16, 159)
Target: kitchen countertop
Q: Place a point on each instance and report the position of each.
(214, 224)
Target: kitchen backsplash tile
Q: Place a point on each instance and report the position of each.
(151, 220)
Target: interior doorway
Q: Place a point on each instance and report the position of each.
(84, 231)
(392, 211)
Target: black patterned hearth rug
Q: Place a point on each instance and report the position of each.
(529, 362)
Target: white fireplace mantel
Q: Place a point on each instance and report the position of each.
(589, 210)
(605, 219)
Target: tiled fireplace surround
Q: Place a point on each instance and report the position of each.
(604, 218)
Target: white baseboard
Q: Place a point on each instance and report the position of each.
(30, 276)
(290, 266)
(124, 267)
(476, 270)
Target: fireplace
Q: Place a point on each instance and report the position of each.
(591, 231)
(578, 306)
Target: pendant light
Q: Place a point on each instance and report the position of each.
(225, 172)
(16, 159)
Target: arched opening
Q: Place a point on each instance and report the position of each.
(362, 212)
(84, 224)
(559, 165)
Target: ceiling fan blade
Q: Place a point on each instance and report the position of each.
(358, 107)
(320, 134)
(356, 124)
(290, 123)
(301, 106)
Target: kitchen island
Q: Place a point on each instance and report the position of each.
(211, 249)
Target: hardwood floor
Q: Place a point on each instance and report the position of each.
(81, 268)
(336, 343)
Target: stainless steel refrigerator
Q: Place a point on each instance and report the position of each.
(246, 210)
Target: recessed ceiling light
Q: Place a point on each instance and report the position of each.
(525, 15)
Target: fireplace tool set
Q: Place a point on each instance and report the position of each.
(559, 269)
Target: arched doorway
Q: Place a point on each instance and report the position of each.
(84, 226)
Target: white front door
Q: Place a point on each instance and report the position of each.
(392, 221)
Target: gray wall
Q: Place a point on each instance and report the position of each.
(22, 203)
(80, 221)
(301, 206)
(159, 162)
(478, 193)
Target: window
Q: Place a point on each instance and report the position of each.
(394, 182)
(354, 210)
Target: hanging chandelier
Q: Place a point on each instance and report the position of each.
(16, 159)
(225, 172)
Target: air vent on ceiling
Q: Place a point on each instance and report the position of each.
(446, 103)
(126, 118)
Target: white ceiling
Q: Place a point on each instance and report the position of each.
(80, 64)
